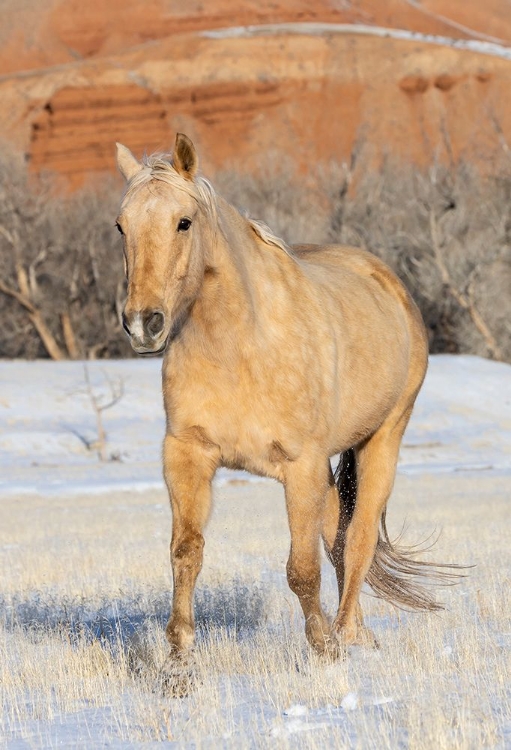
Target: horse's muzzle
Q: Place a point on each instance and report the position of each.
(146, 330)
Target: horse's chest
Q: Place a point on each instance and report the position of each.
(254, 426)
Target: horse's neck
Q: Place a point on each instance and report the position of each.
(236, 255)
(238, 286)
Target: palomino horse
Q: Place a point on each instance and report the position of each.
(276, 358)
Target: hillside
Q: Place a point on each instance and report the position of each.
(420, 81)
(37, 35)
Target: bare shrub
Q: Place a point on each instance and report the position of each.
(289, 203)
(61, 273)
(446, 231)
(100, 402)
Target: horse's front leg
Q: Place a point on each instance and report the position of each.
(306, 485)
(190, 462)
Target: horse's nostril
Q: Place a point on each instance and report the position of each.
(125, 324)
(155, 323)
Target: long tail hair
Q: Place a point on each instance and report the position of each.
(395, 575)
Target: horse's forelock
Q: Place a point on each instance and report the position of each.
(159, 167)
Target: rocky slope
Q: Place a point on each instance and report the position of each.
(75, 78)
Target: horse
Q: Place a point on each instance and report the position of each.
(276, 359)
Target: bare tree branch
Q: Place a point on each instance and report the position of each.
(35, 317)
(99, 406)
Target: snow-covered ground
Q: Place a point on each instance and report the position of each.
(85, 585)
(461, 421)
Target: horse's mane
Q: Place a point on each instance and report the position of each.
(264, 232)
(159, 167)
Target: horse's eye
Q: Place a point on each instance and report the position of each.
(184, 225)
(119, 228)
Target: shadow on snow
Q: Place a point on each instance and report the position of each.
(237, 607)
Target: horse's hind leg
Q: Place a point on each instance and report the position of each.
(376, 468)
(189, 466)
(338, 512)
(306, 487)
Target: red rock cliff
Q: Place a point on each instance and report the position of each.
(77, 77)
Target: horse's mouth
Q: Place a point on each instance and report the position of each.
(151, 352)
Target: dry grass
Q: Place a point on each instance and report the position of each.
(85, 587)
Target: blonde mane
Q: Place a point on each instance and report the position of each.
(159, 167)
(264, 233)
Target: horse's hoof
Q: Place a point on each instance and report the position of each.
(329, 648)
(356, 636)
(319, 636)
(177, 678)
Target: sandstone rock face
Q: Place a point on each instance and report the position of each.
(79, 76)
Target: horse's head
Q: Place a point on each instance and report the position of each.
(162, 220)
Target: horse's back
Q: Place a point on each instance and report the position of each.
(351, 260)
(341, 264)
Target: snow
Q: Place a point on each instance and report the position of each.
(322, 29)
(296, 710)
(301, 718)
(461, 422)
(382, 701)
(462, 418)
(296, 725)
(350, 702)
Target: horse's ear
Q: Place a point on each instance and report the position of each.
(126, 162)
(185, 160)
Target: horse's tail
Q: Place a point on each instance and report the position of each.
(395, 573)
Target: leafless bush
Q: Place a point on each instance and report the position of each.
(60, 268)
(446, 231)
(290, 204)
(100, 402)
